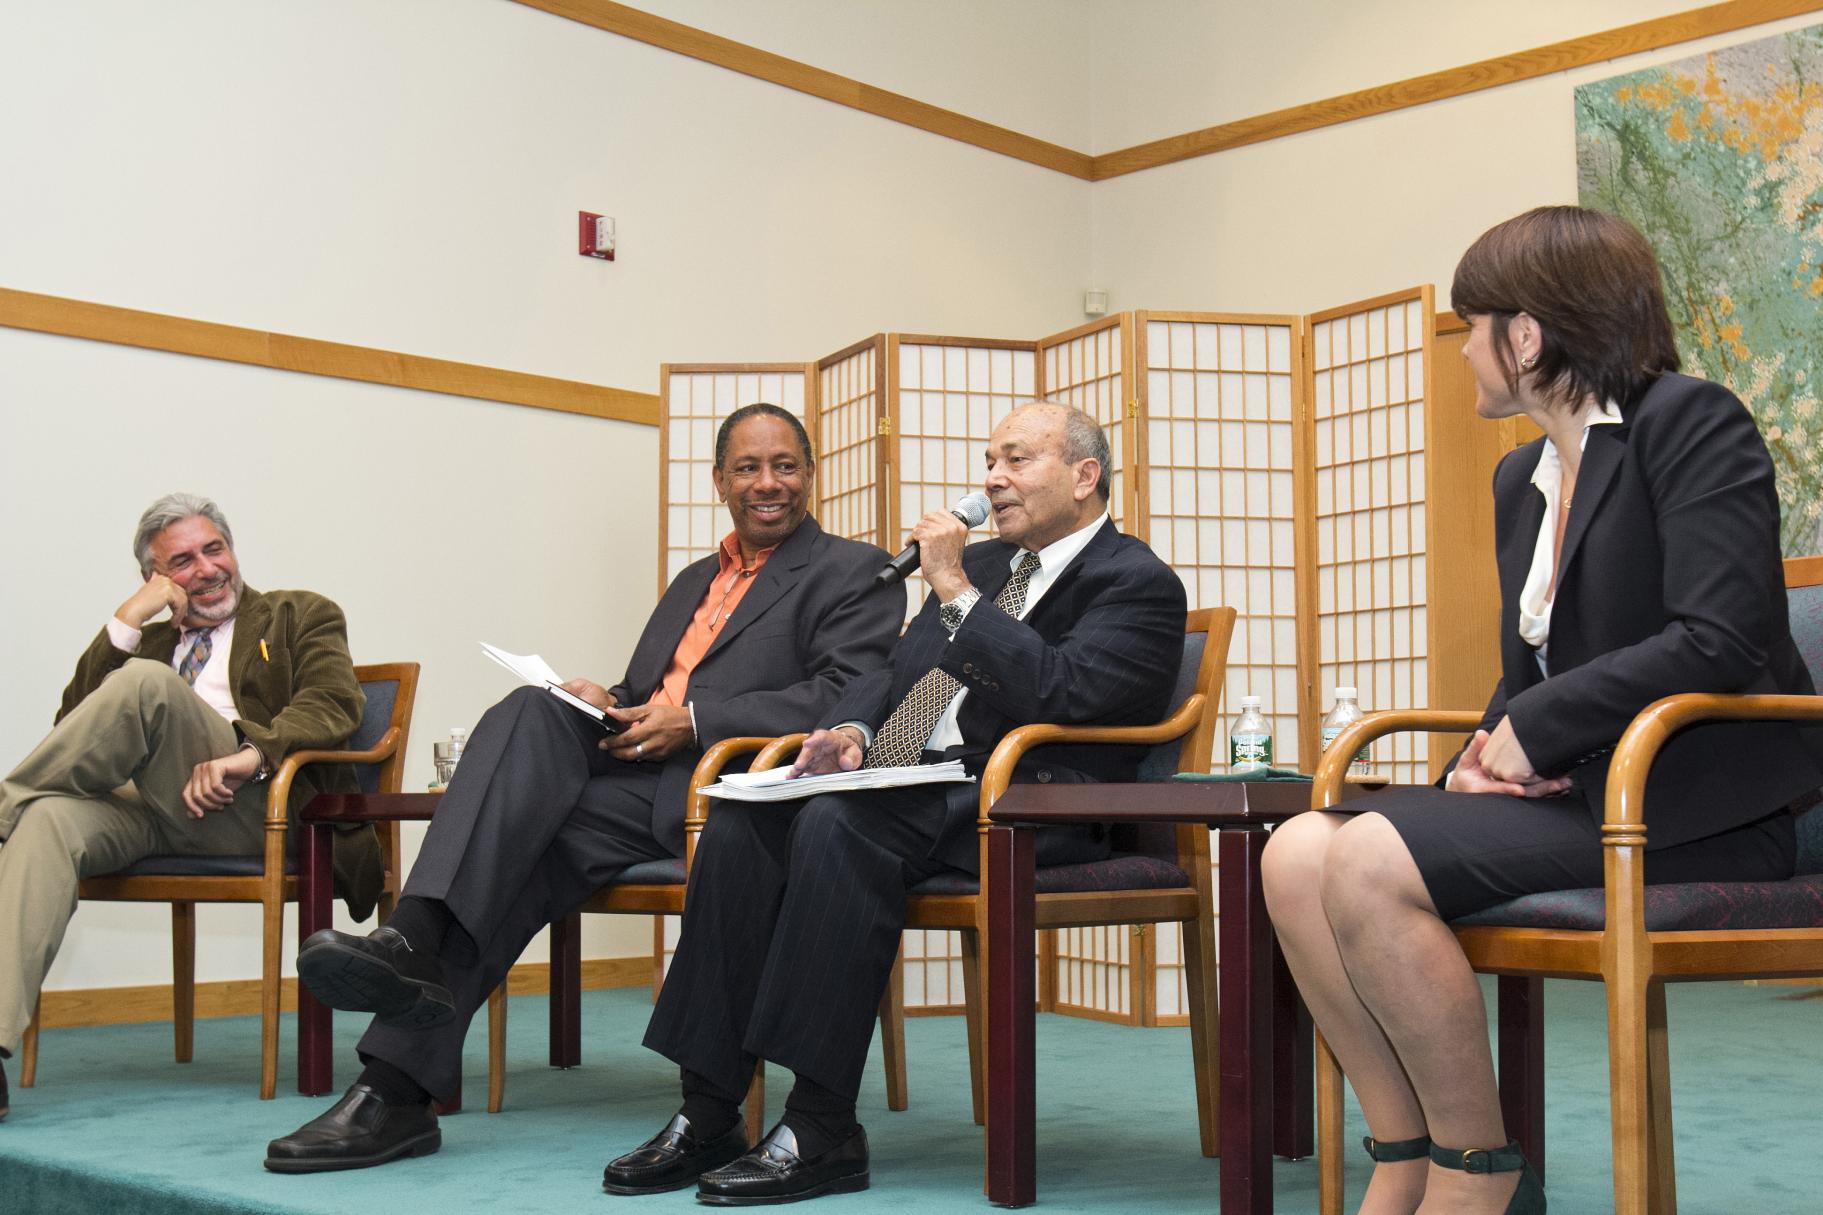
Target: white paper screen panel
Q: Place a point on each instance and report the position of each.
(1220, 437)
(1095, 970)
(1368, 404)
(847, 440)
(950, 397)
(1086, 370)
(696, 399)
(933, 970)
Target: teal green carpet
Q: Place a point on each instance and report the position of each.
(114, 1125)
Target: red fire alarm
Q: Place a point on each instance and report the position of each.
(595, 235)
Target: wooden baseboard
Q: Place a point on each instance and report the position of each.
(241, 997)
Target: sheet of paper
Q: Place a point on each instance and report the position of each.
(776, 785)
(530, 668)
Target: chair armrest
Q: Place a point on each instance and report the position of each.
(1325, 790)
(708, 770)
(999, 771)
(278, 793)
(1623, 817)
(784, 747)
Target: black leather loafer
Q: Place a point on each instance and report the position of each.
(774, 1172)
(672, 1159)
(361, 1130)
(379, 973)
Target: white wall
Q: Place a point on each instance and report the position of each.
(405, 174)
(1021, 64)
(1339, 214)
(1163, 67)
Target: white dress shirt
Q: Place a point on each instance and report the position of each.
(1534, 607)
(212, 681)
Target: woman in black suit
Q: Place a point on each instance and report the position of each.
(1638, 551)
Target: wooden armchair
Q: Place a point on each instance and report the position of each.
(377, 748)
(1632, 937)
(1155, 875)
(650, 888)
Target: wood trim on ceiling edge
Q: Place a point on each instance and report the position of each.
(1642, 36)
(283, 352)
(803, 78)
(1650, 35)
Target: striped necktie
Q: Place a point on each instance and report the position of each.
(197, 658)
(908, 727)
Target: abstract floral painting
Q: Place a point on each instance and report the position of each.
(1719, 160)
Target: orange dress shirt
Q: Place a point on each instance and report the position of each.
(725, 592)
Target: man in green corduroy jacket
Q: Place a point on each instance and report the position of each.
(165, 738)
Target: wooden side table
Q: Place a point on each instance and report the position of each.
(316, 895)
(1252, 1054)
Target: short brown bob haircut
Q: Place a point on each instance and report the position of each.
(1591, 282)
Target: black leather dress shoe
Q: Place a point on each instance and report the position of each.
(360, 1130)
(379, 973)
(672, 1159)
(774, 1172)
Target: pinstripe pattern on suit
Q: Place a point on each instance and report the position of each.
(795, 909)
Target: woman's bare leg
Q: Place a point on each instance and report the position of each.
(1411, 976)
(1292, 874)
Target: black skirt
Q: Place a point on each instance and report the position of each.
(1477, 850)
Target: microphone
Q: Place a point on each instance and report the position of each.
(972, 510)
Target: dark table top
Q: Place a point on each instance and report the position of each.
(1215, 803)
(370, 807)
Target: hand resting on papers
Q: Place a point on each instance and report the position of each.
(837, 750)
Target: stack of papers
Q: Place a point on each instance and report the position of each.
(776, 785)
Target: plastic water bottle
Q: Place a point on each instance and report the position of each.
(1249, 739)
(1343, 714)
(446, 754)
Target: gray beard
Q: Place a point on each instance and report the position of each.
(221, 613)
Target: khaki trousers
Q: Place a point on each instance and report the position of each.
(103, 790)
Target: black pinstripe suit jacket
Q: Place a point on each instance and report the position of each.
(1102, 647)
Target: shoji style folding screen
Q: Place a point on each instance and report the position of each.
(1295, 468)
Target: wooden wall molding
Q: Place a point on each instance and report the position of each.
(1452, 82)
(310, 356)
(1562, 56)
(803, 78)
(241, 997)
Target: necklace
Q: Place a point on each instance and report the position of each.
(721, 607)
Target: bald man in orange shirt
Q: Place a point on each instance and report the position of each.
(760, 637)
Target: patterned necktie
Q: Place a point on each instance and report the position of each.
(197, 658)
(902, 736)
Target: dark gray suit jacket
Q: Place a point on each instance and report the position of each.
(1102, 647)
(812, 621)
(1669, 581)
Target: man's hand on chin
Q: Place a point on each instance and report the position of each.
(213, 782)
(155, 595)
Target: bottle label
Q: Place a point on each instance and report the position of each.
(1249, 752)
(1362, 757)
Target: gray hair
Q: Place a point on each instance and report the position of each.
(174, 508)
(1083, 439)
